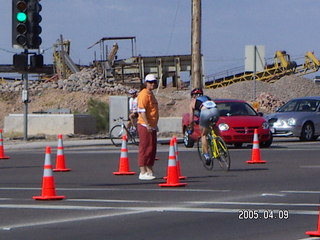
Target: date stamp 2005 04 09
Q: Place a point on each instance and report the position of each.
(266, 214)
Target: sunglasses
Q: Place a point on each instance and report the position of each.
(152, 82)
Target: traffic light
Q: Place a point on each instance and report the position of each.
(36, 61)
(25, 24)
(19, 23)
(20, 62)
(34, 29)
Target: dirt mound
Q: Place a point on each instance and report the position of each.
(171, 101)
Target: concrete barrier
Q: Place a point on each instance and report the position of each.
(170, 124)
(51, 124)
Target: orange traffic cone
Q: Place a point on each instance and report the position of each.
(2, 156)
(124, 168)
(177, 159)
(60, 159)
(315, 233)
(255, 158)
(172, 178)
(48, 188)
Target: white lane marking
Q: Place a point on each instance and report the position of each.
(310, 166)
(133, 151)
(185, 206)
(309, 238)
(272, 195)
(300, 192)
(55, 207)
(190, 203)
(121, 189)
(198, 202)
(128, 211)
(65, 220)
(258, 204)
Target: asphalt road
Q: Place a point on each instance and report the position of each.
(276, 200)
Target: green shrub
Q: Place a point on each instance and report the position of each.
(99, 110)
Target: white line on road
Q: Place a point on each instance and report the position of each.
(65, 220)
(67, 207)
(121, 189)
(300, 192)
(128, 211)
(269, 204)
(272, 195)
(310, 166)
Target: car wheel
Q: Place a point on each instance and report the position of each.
(187, 140)
(238, 145)
(307, 132)
(268, 143)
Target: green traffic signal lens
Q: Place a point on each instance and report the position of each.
(21, 17)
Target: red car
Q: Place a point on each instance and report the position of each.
(236, 124)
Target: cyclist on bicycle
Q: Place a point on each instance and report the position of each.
(133, 108)
(203, 107)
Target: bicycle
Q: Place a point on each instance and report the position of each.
(121, 129)
(217, 150)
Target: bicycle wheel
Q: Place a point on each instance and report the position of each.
(224, 156)
(116, 134)
(201, 156)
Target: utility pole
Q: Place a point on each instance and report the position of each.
(196, 70)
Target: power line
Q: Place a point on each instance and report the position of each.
(5, 50)
(173, 26)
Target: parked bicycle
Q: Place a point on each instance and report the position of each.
(120, 129)
(217, 150)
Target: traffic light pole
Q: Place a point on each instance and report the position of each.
(25, 35)
(25, 99)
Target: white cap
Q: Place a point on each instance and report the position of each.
(150, 78)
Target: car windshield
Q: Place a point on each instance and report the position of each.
(300, 105)
(235, 109)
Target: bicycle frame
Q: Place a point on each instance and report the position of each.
(214, 145)
(123, 127)
(217, 150)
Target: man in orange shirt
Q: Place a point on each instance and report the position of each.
(147, 128)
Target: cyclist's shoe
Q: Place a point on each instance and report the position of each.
(208, 159)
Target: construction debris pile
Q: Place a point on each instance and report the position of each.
(268, 103)
(87, 80)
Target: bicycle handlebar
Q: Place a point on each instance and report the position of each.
(120, 118)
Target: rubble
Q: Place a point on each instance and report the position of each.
(87, 80)
(268, 103)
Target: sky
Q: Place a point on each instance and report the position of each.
(163, 27)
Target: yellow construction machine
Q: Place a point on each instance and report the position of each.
(63, 64)
(282, 66)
